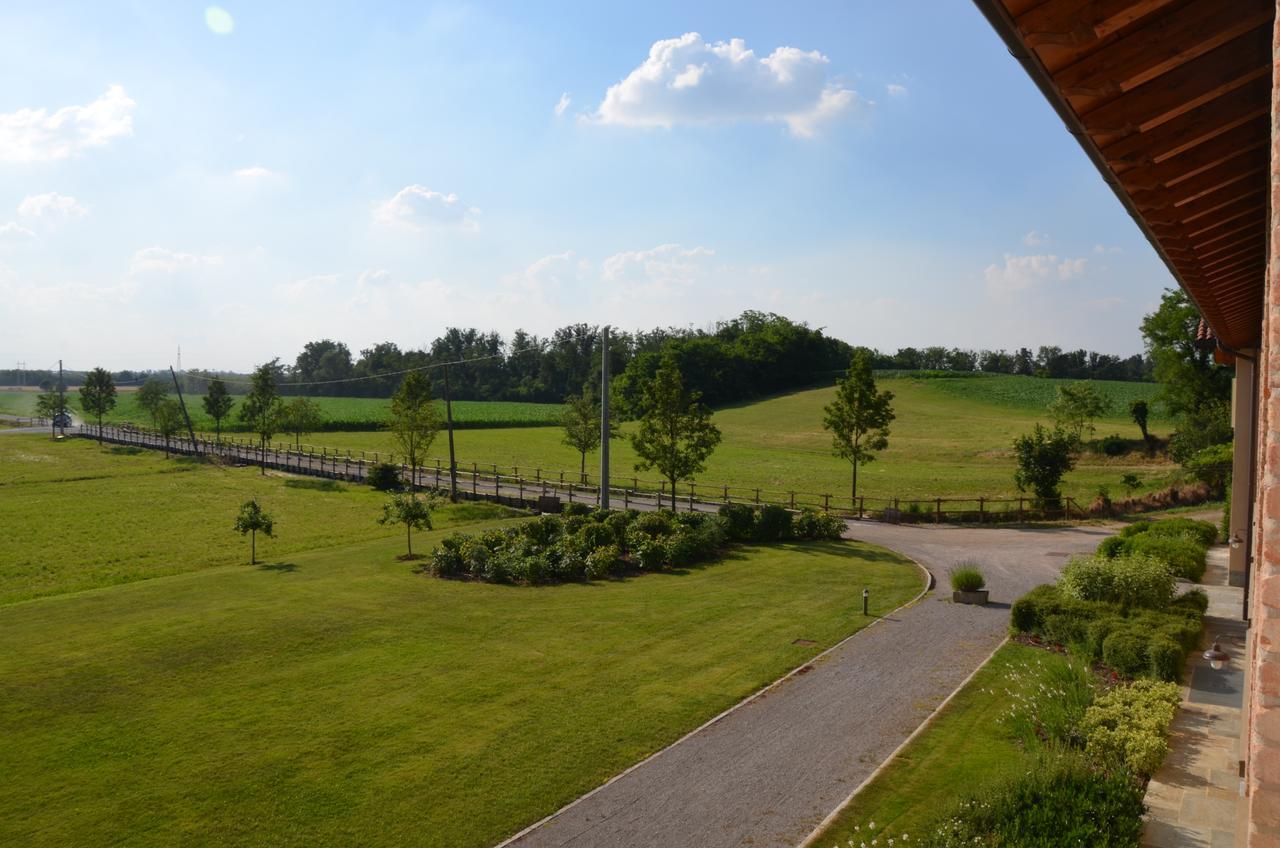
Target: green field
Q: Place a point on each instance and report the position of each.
(952, 438)
(350, 413)
(964, 749)
(332, 696)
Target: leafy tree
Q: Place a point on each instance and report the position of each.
(261, 407)
(1043, 457)
(301, 415)
(1139, 411)
(168, 418)
(676, 434)
(1187, 375)
(217, 404)
(251, 521)
(1207, 426)
(1131, 483)
(98, 396)
(1076, 406)
(859, 417)
(151, 395)
(414, 420)
(411, 511)
(51, 404)
(581, 423)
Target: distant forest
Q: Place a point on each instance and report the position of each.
(753, 355)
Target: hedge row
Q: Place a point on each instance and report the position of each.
(1182, 543)
(591, 544)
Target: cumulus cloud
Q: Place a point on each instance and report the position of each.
(562, 104)
(51, 207)
(256, 173)
(687, 80)
(416, 207)
(1104, 248)
(164, 261)
(658, 269)
(895, 90)
(1035, 238)
(38, 135)
(14, 233)
(1019, 273)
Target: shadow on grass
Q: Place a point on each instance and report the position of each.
(315, 485)
(124, 451)
(277, 566)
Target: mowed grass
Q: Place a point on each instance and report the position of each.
(350, 412)
(334, 697)
(944, 443)
(964, 750)
(78, 517)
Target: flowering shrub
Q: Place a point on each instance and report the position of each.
(1132, 580)
(1129, 724)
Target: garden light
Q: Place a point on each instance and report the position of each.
(1235, 541)
(866, 593)
(1216, 656)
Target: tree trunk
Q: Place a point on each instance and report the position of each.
(673, 494)
(408, 534)
(263, 454)
(582, 469)
(253, 547)
(99, 431)
(854, 491)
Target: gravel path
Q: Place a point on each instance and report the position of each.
(767, 773)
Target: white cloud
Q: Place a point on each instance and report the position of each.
(165, 261)
(14, 233)
(686, 80)
(551, 273)
(896, 90)
(1104, 249)
(1035, 238)
(415, 207)
(659, 269)
(256, 173)
(37, 135)
(563, 104)
(1020, 273)
(51, 207)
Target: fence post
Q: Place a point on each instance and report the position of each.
(474, 478)
(982, 512)
(537, 475)
(1020, 502)
(938, 515)
(757, 497)
(793, 500)
(862, 502)
(520, 486)
(570, 493)
(826, 503)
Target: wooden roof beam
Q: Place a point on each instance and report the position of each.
(1200, 124)
(1079, 22)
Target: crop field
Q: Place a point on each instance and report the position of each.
(340, 413)
(1034, 393)
(951, 438)
(332, 696)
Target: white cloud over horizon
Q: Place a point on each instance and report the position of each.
(416, 207)
(256, 173)
(687, 80)
(37, 135)
(1023, 272)
(51, 207)
(163, 260)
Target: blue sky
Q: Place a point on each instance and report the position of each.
(371, 172)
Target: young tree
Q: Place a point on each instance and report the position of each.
(414, 420)
(98, 396)
(168, 418)
(676, 434)
(1043, 457)
(581, 423)
(261, 407)
(411, 511)
(301, 415)
(217, 404)
(51, 405)
(1139, 411)
(1076, 406)
(859, 417)
(252, 520)
(151, 395)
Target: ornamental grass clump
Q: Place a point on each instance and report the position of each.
(967, 577)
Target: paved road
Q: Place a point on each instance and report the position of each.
(769, 772)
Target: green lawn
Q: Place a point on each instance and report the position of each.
(963, 750)
(944, 443)
(332, 696)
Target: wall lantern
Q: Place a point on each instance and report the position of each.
(1216, 656)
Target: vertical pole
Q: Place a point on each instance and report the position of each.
(182, 403)
(604, 417)
(448, 417)
(62, 400)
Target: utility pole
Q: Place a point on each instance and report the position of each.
(62, 399)
(448, 417)
(182, 403)
(604, 418)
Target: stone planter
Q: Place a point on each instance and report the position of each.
(979, 597)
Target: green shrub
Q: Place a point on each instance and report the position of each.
(1184, 557)
(1113, 546)
(689, 519)
(967, 577)
(1196, 600)
(475, 557)
(384, 477)
(596, 536)
(653, 524)
(1059, 801)
(682, 548)
(1131, 580)
(648, 554)
(1135, 529)
(603, 561)
(1203, 533)
(1113, 445)
(1096, 633)
(571, 554)
(1125, 652)
(1164, 658)
(618, 523)
(740, 521)
(576, 509)
(813, 524)
(1065, 628)
(543, 530)
(773, 524)
(1224, 527)
(1027, 614)
(1128, 725)
(446, 560)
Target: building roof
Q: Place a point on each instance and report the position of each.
(1171, 99)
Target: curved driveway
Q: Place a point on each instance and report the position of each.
(768, 772)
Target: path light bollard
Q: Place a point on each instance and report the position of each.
(866, 594)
